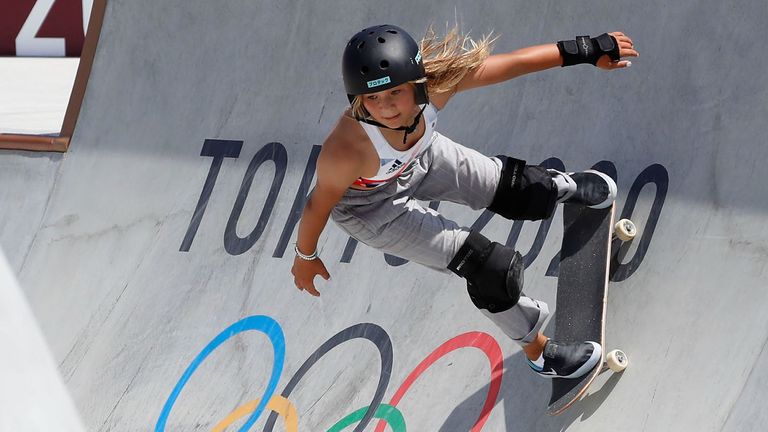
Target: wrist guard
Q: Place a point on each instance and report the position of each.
(587, 50)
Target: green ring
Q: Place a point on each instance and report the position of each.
(388, 413)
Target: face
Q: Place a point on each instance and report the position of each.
(394, 107)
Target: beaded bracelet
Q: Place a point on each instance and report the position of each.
(311, 257)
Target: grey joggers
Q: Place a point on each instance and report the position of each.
(392, 219)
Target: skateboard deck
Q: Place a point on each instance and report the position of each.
(581, 292)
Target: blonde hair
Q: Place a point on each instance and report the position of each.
(446, 62)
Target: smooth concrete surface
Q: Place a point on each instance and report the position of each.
(33, 395)
(161, 317)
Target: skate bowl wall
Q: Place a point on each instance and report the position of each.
(33, 394)
(156, 252)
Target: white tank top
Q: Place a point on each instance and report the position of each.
(394, 162)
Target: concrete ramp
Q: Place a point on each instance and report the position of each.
(33, 395)
(156, 252)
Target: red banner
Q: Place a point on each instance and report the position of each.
(44, 28)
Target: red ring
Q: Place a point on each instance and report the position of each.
(482, 341)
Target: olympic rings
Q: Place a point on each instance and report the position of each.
(278, 404)
(369, 331)
(261, 323)
(484, 342)
(387, 413)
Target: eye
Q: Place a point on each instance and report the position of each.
(396, 92)
(371, 97)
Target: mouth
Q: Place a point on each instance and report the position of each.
(391, 118)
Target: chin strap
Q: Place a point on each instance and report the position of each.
(408, 129)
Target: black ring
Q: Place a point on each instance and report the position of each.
(369, 331)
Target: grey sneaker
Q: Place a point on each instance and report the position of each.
(567, 360)
(590, 188)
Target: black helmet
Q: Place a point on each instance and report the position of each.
(379, 58)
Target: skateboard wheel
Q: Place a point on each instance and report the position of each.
(617, 360)
(625, 230)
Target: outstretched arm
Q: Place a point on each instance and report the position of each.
(502, 67)
(336, 171)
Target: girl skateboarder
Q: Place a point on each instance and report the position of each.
(384, 155)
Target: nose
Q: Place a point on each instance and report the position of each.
(386, 102)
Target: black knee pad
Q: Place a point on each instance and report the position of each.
(525, 192)
(494, 272)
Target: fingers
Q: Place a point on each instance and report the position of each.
(304, 273)
(308, 287)
(311, 289)
(324, 273)
(621, 37)
(298, 284)
(626, 45)
(606, 63)
(626, 49)
(621, 64)
(610, 64)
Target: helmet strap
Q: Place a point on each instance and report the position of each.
(408, 129)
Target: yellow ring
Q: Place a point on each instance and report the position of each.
(278, 404)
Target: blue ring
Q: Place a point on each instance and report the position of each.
(262, 323)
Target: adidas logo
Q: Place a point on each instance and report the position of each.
(395, 166)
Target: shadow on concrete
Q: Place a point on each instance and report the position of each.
(524, 398)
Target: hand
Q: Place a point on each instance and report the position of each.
(626, 49)
(304, 273)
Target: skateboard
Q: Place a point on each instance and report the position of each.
(582, 288)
